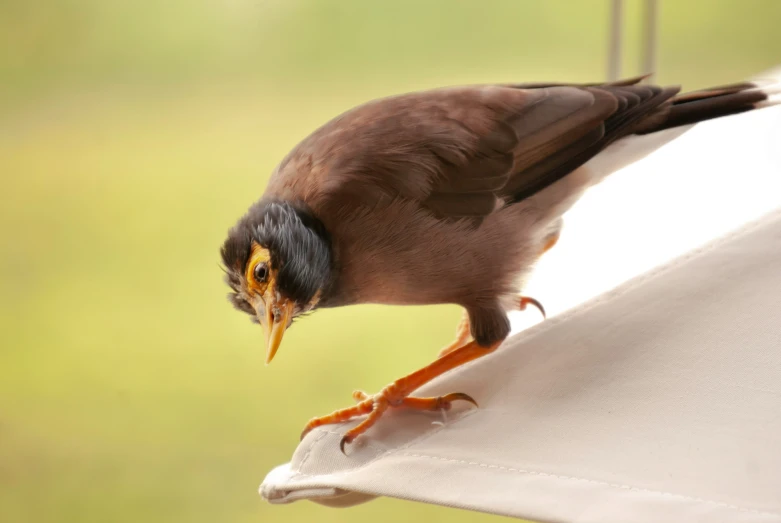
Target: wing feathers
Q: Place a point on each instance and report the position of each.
(462, 152)
(566, 116)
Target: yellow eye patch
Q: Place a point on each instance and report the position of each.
(258, 255)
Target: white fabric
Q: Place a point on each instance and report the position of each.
(657, 401)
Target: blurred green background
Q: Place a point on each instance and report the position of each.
(133, 134)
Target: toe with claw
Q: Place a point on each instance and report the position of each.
(375, 406)
(524, 301)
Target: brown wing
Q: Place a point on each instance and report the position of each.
(461, 151)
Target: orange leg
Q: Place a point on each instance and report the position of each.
(463, 335)
(397, 393)
(524, 301)
(550, 241)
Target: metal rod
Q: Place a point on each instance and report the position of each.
(650, 23)
(615, 44)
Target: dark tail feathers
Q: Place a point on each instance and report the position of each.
(706, 104)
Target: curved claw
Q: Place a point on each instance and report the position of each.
(525, 300)
(458, 396)
(343, 442)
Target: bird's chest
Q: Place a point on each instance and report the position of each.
(364, 278)
(421, 261)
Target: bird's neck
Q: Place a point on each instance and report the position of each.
(300, 241)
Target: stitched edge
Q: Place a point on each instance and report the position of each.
(308, 453)
(618, 486)
(596, 482)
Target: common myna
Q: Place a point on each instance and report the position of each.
(442, 196)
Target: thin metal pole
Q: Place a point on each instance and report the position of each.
(614, 49)
(650, 23)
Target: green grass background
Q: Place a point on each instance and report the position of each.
(133, 134)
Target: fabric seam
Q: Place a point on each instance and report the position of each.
(619, 486)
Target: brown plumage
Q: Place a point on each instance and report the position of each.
(442, 196)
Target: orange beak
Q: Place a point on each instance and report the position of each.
(274, 318)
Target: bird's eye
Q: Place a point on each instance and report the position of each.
(261, 272)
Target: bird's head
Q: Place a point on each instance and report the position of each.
(278, 263)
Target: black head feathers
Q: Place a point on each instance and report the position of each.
(297, 242)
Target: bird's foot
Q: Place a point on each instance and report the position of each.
(376, 405)
(524, 301)
(463, 335)
(397, 394)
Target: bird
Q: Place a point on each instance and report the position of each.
(443, 196)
